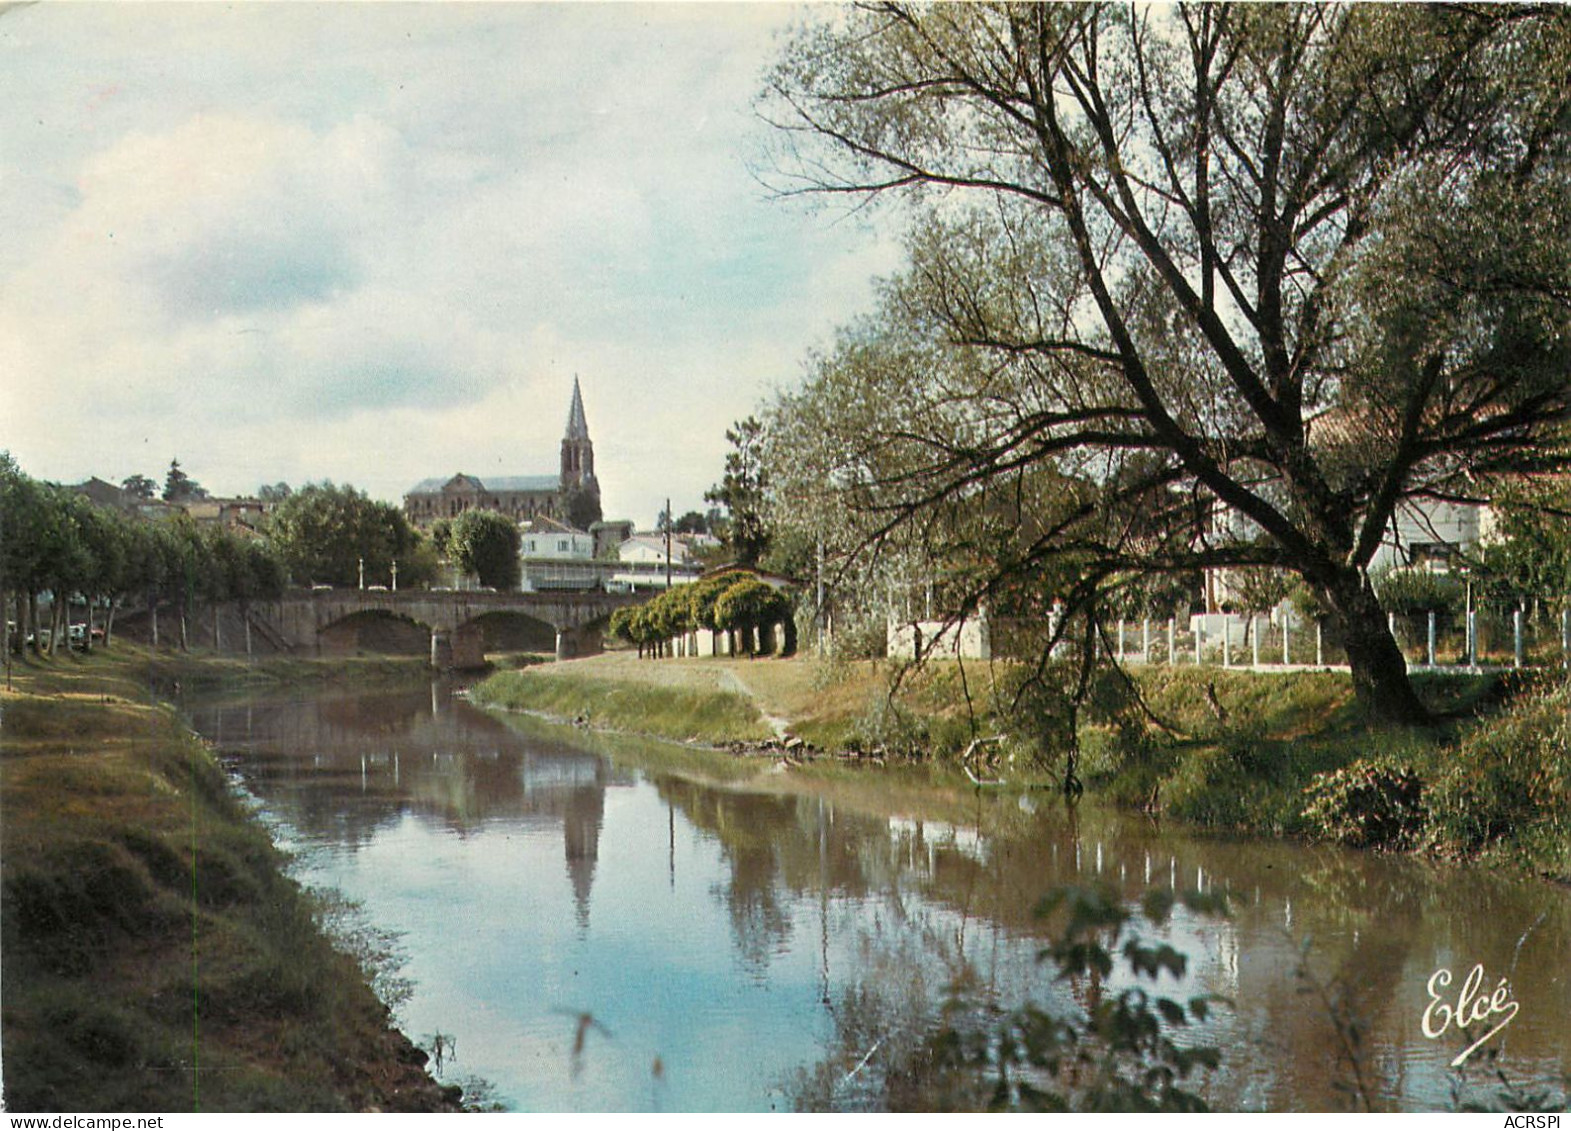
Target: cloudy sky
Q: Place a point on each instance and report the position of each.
(374, 243)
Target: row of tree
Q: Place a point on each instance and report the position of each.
(743, 607)
(57, 541)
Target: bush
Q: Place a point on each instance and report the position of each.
(1367, 805)
(1409, 591)
(1508, 782)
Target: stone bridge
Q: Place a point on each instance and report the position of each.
(297, 621)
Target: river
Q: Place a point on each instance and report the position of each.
(600, 924)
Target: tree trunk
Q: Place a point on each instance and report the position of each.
(109, 621)
(1379, 669)
(56, 615)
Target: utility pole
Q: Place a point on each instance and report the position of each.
(668, 525)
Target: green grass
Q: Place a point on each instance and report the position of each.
(679, 713)
(155, 956)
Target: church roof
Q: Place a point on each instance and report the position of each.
(495, 483)
(577, 426)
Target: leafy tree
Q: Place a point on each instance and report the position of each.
(1527, 560)
(692, 523)
(745, 607)
(324, 532)
(743, 492)
(139, 487)
(1414, 591)
(22, 517)
(180, 487)
(274, 493)
(485, 544)
(1252, 276)
(581, 508)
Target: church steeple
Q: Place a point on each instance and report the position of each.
(578, 453)
(577, 426)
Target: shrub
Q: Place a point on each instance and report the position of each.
(1409, 591)
(1367, 805)
(1509, 781)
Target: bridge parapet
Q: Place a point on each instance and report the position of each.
(301, 616)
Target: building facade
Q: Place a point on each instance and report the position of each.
(521, 498)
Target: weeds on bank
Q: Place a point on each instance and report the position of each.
(668, 712)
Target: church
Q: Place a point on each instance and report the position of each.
(571, 496)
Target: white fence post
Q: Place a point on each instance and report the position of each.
(1254, 633)
(1431, 638)
(1320, 651)
(1227, 640)
(1516, 636)
(1145, 641)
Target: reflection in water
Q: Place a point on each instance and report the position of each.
(721, 937)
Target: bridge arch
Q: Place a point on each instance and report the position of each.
(513, 630)
(383, 631)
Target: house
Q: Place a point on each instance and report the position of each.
(641, 562)
(554, 555)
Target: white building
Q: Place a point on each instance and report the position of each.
(554, 555)
(641, 562)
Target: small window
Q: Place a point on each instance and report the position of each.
(561, 545)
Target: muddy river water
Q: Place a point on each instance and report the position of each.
(592, 924)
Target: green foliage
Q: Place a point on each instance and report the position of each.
(485, 544)
(743, 492)
(1378, 321)
(1410, 591)
(581, 508)
(1529, 557)
(1506, 786)
(1259, 590)
(325, 532)
(1367, 805)
(742, 606)
(180, 487)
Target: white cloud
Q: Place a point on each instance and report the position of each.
(374, 243)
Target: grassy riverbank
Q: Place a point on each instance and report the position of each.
(155, 956)
(1235, 751)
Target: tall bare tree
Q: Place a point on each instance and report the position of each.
(1246, 280)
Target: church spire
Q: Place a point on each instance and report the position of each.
(577, 426)
(578, 461)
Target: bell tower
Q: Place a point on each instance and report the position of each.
(578, 453)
